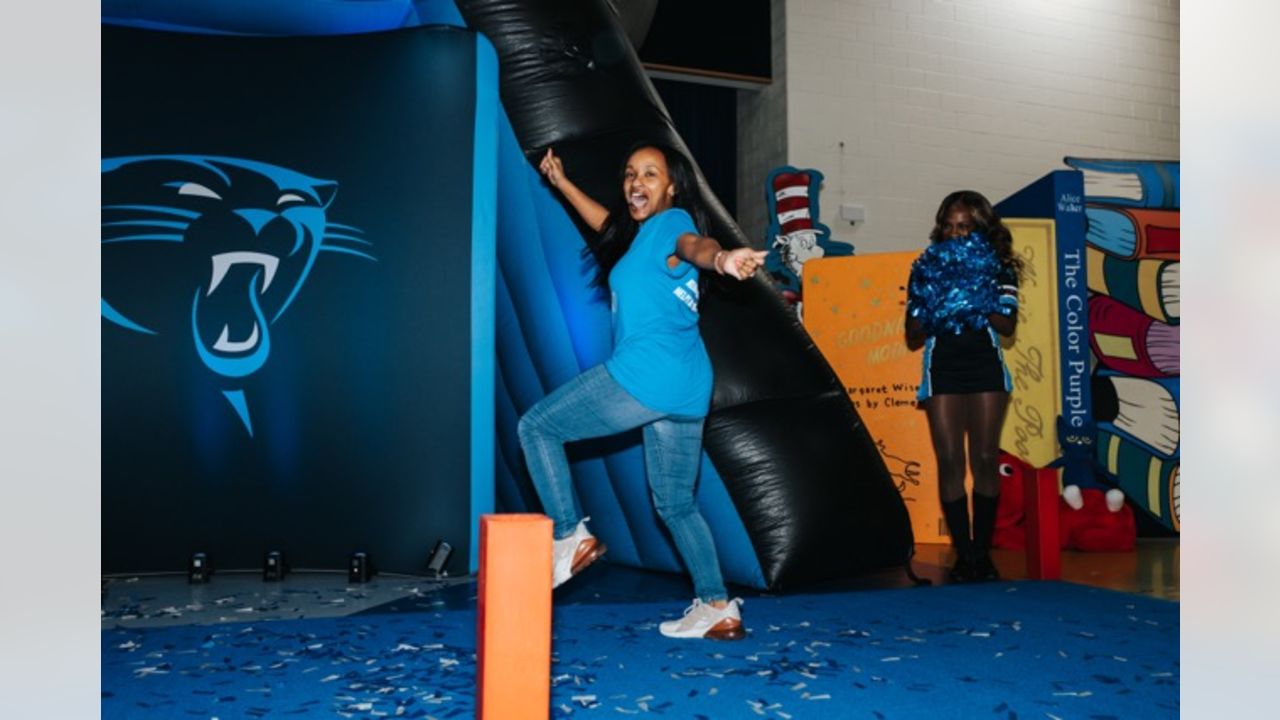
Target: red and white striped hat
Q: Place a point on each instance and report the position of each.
(791, 196)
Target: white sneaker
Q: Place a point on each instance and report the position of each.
(702, 620)
(570, 555)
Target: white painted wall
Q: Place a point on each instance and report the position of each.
(762, 134)
(899, 102)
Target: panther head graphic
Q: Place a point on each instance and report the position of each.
(225, 243)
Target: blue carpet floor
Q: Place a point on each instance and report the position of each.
(999, 650)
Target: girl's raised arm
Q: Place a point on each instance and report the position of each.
(592, 213)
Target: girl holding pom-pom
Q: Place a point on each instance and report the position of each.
(963, 294)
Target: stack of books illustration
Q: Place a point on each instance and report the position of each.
(1132, 247)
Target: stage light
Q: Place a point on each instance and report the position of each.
(273, 568)
(438, 559)
(199, 568)
(361, 568)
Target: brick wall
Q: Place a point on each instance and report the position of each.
(899, 102)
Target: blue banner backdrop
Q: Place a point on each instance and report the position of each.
(297, 296)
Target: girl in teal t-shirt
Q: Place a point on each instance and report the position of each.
(658, 378)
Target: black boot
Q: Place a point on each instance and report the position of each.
(984, 527)
(956, 513)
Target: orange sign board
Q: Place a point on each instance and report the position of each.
(855, 310)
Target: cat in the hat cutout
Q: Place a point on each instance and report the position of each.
(797, 236)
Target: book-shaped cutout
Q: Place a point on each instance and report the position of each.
(1132, 342)
(1132, 183)
(1141, 409)
(1149, 481)
(1152, 286)
(1056, 196)
(1131, 233)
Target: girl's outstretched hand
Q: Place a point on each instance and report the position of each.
(741, 263)
(552, 168)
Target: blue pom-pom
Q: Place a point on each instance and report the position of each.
(953, 285)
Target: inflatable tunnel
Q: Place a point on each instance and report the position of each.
(791, 482)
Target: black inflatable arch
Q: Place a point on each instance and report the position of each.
(803, 472)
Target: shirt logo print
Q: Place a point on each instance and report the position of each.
(688, 294)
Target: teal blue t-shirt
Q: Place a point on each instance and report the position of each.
(658, 355)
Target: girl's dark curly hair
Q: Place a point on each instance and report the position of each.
(619, 229)
(986, 221)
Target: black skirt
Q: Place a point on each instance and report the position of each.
(966, 363)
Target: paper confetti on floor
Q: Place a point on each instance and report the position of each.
(1003, 650)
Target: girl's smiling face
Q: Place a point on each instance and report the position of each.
(646, 184)
(958, 223)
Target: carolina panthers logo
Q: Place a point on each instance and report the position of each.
(227, 242)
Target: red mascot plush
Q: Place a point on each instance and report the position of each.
(1093, 528)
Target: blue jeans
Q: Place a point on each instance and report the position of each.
(592, 405)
